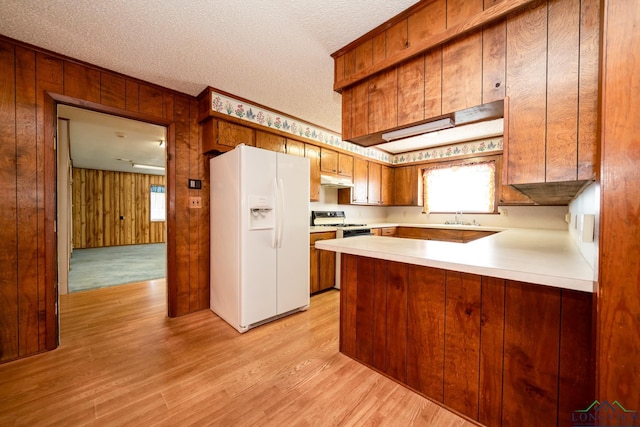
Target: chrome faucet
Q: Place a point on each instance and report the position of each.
(456, 220)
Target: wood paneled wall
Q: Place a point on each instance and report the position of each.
(101, 198)
(500, 352)
(618, 363)
(32, 81)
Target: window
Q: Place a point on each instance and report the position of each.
(460, 188)
(158, 203)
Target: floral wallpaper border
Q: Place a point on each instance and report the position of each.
(249, 112)
(453, 150)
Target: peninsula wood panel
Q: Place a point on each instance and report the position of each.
(425, 331)
(462, 342)
(101, 197)
(618, 325)
(33, 81)
(500, 352)
(491, 351)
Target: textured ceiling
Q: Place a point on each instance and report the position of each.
(272, 52)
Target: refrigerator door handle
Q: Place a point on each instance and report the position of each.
(281, 211)
(276, 198)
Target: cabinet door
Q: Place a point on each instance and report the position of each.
(231, 135)
(360, 109)
(313, 154)
(382, 97)
(295, 148)
(347, 97)
(314, 258)
(406, 186)
(328, 161)
(386, 186)
(327, 270)
(373, 187)
(270, 141)
(345, 165)
(360, 180)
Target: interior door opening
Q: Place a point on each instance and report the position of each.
(111, 200)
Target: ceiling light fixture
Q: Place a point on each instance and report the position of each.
(418, 130)
(141, 166)
(458, 134)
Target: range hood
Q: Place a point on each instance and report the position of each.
(335, 181)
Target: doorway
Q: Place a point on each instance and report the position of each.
(111, 200)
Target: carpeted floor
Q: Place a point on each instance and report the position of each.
(116, 265)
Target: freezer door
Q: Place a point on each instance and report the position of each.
(225, 237)
(293, 232)
(257, 251)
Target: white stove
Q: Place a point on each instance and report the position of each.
(345, 230)
(338, 219)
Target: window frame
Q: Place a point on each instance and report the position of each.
(496, 159)
(151, 210)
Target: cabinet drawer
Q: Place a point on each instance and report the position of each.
(388, 231)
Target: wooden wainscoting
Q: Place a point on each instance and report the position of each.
(101, 198)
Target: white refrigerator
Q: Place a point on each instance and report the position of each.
(259, 236)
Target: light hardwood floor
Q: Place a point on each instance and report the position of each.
(123, 362)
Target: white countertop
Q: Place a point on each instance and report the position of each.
(320, 229)
(545, 257)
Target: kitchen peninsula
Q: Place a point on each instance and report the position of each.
(499, 329)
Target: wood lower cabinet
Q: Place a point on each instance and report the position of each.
(385, 231)
(322, 264)
(498, 351)
(221, 136)
(445, 235)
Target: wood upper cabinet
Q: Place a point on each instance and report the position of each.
(312, 152)
(407, 186)
(221, 136)
(386, 185)
(328, 161)
(552, 93)
(295, 148)
(336, 163)
(360, 178)
(373, 187)
(270, 141)
(547, 51)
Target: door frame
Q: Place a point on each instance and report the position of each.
(51, 101)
